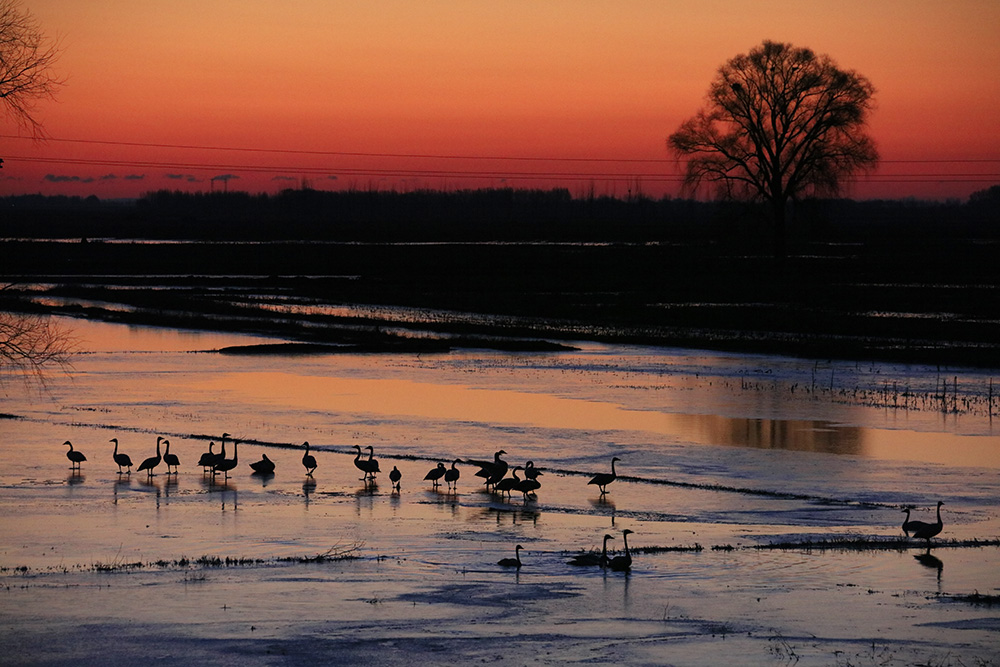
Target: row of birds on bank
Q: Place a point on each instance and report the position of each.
(493, 473)
(619, 563)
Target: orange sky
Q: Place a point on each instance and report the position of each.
(538, 79)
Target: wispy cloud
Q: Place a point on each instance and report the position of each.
(190, 178)
(109, 177)
(134, 177)
(284, 178)
(332, 177)
(60, 178)
(224, 177)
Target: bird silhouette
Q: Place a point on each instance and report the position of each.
(368, 466)
(308, 460)
(512, 562)
(225, 465)
(622, 563)
(436, 474)
(492, 471)
(121, 459)
(207, 459)
(907, 524)
(925, 531)
(603, 479)
(395, 476)
(530, 471)
(170, 459)
(152, 461)
(372, 463)
(528, 486)
(592, 557)
(507, 484)
(263, 467)
(75, 457)
(452, 474)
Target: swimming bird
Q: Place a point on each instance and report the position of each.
(592, 557)
(512, 562)
(121, 459)
(622, 563)
(207, 459)
(263, 467)
(507, 484)
(152, 461)
(308, 460)
(452, 474)
(604, 478)
(436, 474)
(75, 457)
(170, 459)
(225, 465)
(925, 531)
(395, 476)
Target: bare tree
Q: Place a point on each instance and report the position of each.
(26, 59)
(31, 344)
(780, 122)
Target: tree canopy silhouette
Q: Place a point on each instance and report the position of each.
(26, 59)
(780, 122)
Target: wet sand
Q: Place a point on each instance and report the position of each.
(106, 569)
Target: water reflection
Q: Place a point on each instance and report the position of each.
(927, 559)
(75, 477)
(308, 487)
(795, 435)
(264, 478)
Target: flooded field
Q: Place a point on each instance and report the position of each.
(723, 458)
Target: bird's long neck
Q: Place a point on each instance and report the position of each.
(358, 457)
(613, 473)
(116, 446)
(939, 515)
(625, 537)
(157, 447)
(234, 449)
(604, 551)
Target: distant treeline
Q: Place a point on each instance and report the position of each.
(504, 214)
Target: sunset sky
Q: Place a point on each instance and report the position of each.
(446, 93)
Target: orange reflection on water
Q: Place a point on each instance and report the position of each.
(462, 403)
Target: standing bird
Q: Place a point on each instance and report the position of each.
(907, 524)
(121, 459)
(507, 484)
(225, 465)
(75, 457)
(512, 562)
(395, 476)
(263, 467)
(368, 466)
(925, 531)
(604, 478)
(622, 563)
(493, 471)
(528, 485)
(372, 463)
(152, 461)
(436, 474)
(170, 459)
(207, 459)
(530, 471)
(591, 557)
(452, 474)
(308, 460)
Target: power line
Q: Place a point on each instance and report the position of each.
(443, 156)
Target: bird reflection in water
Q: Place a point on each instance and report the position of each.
(75, 477)
(263, 477)
(308, 487)
(927, 559)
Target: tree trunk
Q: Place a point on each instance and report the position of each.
(778, 215)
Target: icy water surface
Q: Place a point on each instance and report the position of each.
(724, 452)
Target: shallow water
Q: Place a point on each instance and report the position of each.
(718, 450)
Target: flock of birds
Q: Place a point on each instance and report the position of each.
(493, 473)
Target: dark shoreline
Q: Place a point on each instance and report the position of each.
(864, 305)
(895, 281)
